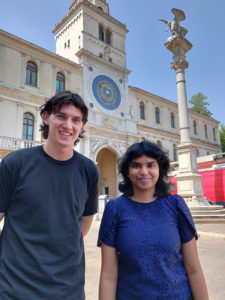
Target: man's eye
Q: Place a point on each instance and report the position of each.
(77, 121)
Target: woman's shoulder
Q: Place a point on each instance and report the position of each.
(113, 203)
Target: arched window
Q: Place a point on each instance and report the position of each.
(195, 127)
(214, 134)
(142, 110)
(157, 115)
(31, 73)
(206, 131)
(174, 152)
(172, 120)
(60, 82)
(101, 33)
(108, 37)
(28, 126)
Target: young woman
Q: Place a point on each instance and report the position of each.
(147, 236)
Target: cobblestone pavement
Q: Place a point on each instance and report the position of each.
(211, 252)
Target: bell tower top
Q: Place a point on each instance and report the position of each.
(101, 4)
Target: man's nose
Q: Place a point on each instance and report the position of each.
(68, 123)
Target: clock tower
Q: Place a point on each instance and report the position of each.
(89, 36)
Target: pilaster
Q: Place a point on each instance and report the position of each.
(19, 119)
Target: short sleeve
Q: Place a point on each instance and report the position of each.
(92, 200)
(5, 186)
(107, 231)
(185, 221)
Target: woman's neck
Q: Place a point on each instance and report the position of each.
(144, 196)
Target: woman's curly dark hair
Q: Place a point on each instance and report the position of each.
(54, 104)
(149, 149)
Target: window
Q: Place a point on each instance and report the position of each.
(108, 37)
(31, 73)
(28, 126)
(172, 119)
(157, 115)
(101, 33)
(206, 132)
(142, 110)
(60, 82)
(195, 127)
(68, 44)
(174, 152)
(214, 134)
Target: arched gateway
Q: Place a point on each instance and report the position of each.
(107, 165)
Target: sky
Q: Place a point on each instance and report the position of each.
(147, 57)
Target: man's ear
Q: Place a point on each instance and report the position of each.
(45, 117)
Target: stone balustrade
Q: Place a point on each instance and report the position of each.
(10, 143)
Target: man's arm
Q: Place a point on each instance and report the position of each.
(1, 218)
(86, 224)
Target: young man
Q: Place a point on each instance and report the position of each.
(48, 196)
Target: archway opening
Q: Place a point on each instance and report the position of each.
(107, 166)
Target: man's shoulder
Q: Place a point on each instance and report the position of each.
(85, 160)
(19, 154)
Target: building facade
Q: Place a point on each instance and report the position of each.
(90, 60)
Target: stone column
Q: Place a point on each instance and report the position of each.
(188, 180)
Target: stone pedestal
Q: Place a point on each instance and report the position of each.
(189, 184)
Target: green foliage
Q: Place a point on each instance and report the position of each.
(222, 137)
(200, 105)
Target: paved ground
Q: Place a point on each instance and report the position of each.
(211, 248)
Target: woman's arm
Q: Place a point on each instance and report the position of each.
(109, 273)
(194, 271)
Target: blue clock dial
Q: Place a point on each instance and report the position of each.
(106, 92)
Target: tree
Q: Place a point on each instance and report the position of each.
(200, 105)
(222, 136)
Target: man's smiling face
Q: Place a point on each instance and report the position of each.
(64, 126)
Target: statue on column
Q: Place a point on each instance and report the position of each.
(175, 28)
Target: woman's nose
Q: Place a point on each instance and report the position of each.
(144, 170)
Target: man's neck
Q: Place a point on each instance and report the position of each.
(58, 154)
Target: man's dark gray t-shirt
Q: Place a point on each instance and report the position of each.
(41, 246)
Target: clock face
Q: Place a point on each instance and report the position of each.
(106, 92)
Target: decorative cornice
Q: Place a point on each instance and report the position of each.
(84, 52)
(180, 64)
(74, 7)
(26, 48)
(178, 44)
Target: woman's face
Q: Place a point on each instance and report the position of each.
(143, 173)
